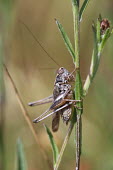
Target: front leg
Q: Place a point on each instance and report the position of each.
(74, 103)
(71, 100)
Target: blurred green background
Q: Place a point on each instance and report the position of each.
(34, 72)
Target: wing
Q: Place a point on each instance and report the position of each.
(56, 121)
(59, 101)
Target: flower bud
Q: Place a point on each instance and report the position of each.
(104, 25)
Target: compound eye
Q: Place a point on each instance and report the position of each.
(60, 70)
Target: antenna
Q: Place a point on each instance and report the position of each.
(38, 42)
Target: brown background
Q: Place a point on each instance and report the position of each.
(34, 72)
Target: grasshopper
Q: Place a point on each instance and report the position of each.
(62, 99)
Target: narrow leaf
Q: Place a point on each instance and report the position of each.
(100, 17)
(84, 5)
(112, 31)
(53, 144)
(66, 40)
(98, 31)
(94, 27)
(95, 52)
(21, 162)
(105, 37)
(75, 2)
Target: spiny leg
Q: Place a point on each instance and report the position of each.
(38, 118)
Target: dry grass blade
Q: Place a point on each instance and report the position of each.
(64, 145)
(27, 118)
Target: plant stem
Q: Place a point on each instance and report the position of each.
(76, 31)
(78, 140)
(78, 84)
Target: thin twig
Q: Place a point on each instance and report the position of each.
(64, 145)
(2, 103)
(27, 118)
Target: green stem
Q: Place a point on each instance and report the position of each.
(78, 84)
(76, 31)
(78, 140)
